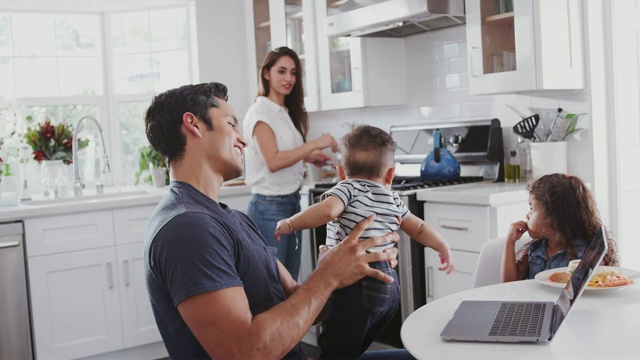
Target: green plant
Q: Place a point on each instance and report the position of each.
(148, 156)
(52, 142)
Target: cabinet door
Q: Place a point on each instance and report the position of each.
(75, 304)
(465, 227)
(130, 224)
(537, 45)
(501, 47)
(439, 284)
(356, 72)
(288, 23)
(138, 324)
(57, 234)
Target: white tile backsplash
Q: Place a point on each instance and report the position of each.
(437, 79)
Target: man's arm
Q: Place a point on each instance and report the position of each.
(315, 215)
(222, 321)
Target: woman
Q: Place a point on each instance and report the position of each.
(276, 127)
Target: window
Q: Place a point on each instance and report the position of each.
(108, 65)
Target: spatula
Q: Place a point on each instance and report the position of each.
(527, 127)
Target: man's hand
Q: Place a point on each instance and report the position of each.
(349, 261)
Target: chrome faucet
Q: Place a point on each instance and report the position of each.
(78, 185)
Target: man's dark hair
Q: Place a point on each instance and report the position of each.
(367, 151)
(163, 118)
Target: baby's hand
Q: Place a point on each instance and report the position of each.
(282, 228)
(447, 264)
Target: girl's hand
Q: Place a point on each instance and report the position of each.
(516, 230)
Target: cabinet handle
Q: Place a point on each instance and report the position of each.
(475, 61)
(457, 228)
(109, 275)
(9, 244)
(429, 281)
(125, 271)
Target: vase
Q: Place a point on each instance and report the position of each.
(9, 193)
(52, 173)
(158, 176)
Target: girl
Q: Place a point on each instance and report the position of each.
(562, 221)
(276, 127)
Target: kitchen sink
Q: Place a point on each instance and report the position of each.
(108, 194)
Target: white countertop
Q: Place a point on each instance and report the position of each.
(483, 194)
(113, 197)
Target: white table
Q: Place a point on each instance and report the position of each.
(601, 325)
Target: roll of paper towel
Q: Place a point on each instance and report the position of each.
(548, 158)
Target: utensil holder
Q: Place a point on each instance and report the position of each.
(548, 158)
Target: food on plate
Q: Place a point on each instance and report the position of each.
(608, 278)
(559, 277)
(573, 264)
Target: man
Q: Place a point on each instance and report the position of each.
(216, 288)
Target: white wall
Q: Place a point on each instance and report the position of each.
(437, 82)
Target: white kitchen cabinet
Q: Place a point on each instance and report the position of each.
(357, 72)
(466, 228)
(290, 23)
(89, 301)
(75, 303)
(537, 45)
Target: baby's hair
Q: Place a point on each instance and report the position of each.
(367, 151)
(571, 208)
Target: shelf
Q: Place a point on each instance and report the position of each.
(500, 19)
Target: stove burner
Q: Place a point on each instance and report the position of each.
(403, 183)
(412, 183)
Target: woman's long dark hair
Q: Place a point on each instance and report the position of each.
(570, 207)
(294, 102)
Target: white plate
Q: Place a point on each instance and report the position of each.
(543, 277)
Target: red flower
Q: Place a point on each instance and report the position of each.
(48, 131)
(67, 142)
(40, 155)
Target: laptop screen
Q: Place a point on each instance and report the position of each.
(593, 254)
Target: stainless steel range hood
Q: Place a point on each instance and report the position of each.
(393, 18)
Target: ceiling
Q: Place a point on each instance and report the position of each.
(83, 5)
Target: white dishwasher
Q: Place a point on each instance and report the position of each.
(15, 332)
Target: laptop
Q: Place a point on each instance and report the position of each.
(524, 321)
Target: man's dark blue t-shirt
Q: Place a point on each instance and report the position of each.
(196, 245)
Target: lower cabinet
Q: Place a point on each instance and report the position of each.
(466, 228)
(86, 302)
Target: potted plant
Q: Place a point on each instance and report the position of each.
(153, 164)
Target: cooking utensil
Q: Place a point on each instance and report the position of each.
(527, 127)
(440, 164)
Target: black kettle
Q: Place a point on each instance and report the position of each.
(440, 164)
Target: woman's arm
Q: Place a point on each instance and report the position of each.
(276, 160)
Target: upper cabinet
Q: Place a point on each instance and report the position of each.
(338, 73)
(524, 45)
(355, 71)
(288, 23)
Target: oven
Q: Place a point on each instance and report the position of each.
(481, 162)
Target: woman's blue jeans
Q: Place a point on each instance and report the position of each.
(266, 211)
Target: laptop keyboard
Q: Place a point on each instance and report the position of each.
(518, 319)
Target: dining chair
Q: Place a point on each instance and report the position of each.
(489, 262)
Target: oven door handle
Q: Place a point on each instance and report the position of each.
(429, 283)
